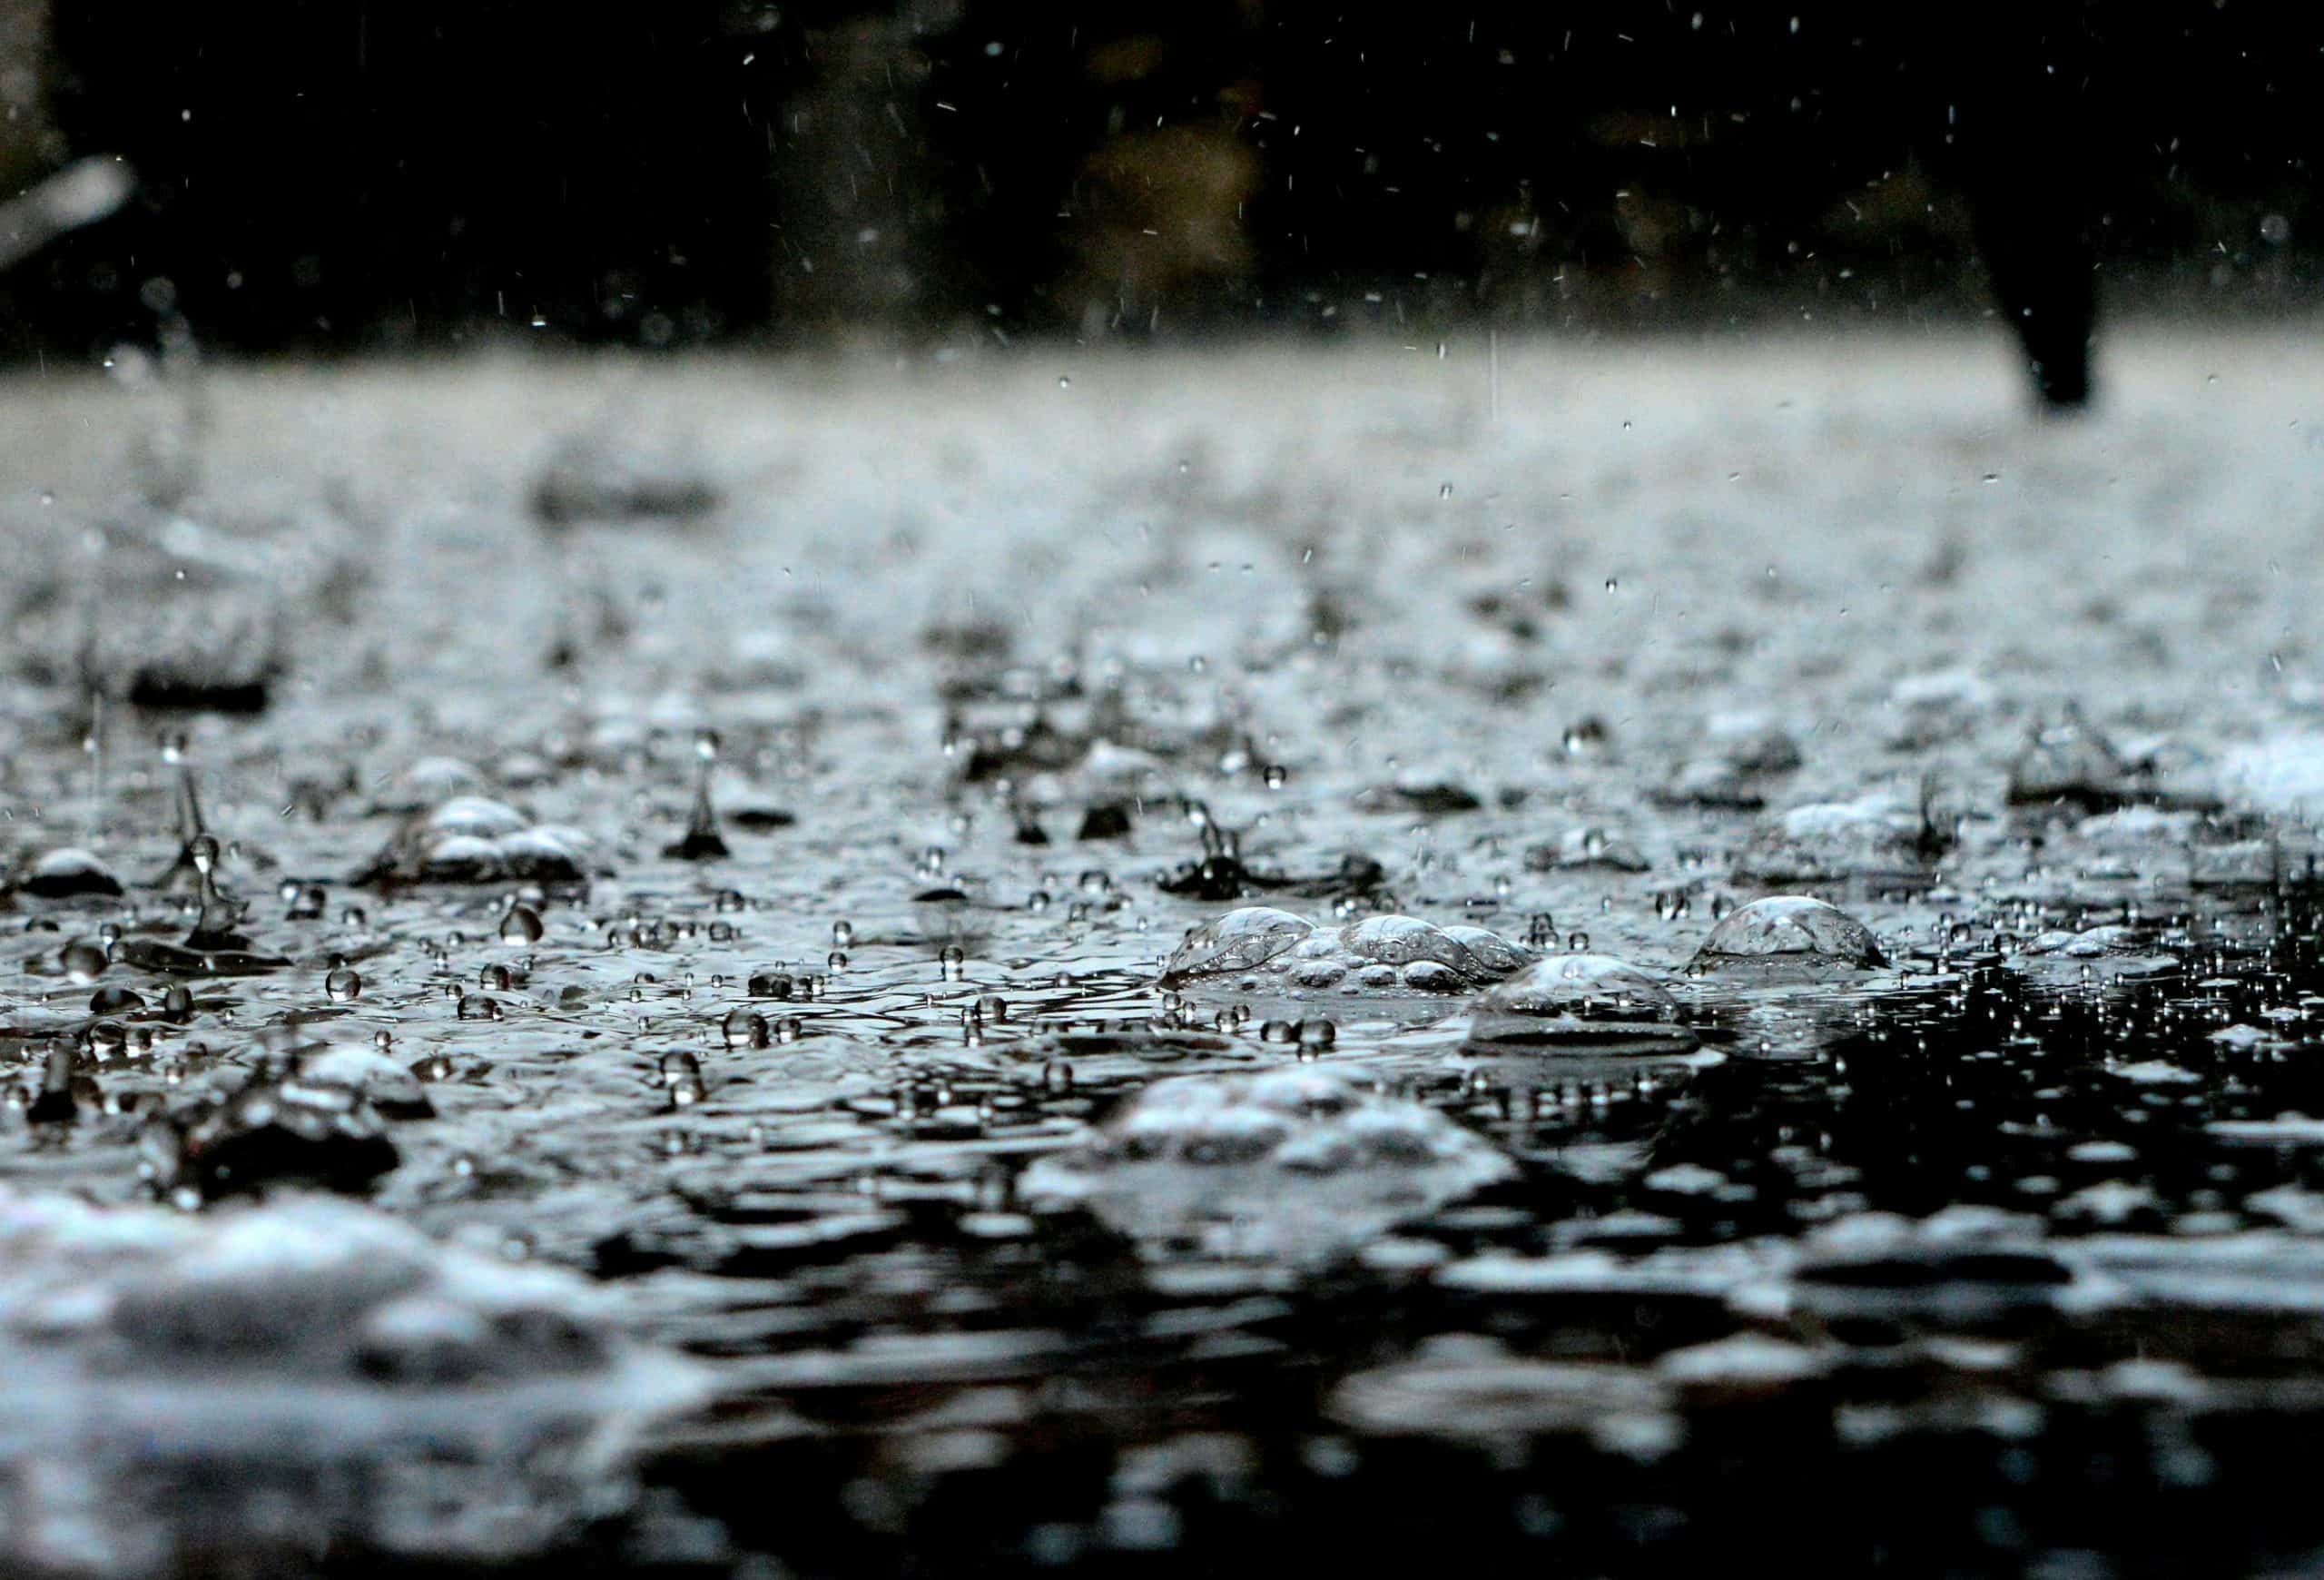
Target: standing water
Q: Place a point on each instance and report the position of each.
(1262, 959)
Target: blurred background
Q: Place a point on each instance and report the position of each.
(344, 176)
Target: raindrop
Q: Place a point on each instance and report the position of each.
(744, 1029)
(703, 841)
(114, 1000)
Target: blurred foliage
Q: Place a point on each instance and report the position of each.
(332, 173)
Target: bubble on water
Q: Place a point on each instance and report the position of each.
(196, 617)
(843, 934)
(744, 1029)
(393, 1091)
(772, 984)
(81, 961)
(68, 872)
(1587, 849)
(2101, 956)
(426, 782)
(1291, 1164)
(1488, 949)
(609, 473)
(304, 1347)
(1586, 737)
(1789, 929)
(681, 1074)
(2068, 759)
(473, 839)
(1580, 1002)
(1964, 1264)
(1470, 1388)
(1381, 952)
(1830, 841)
(1435, 792)
(115, 1001)
(343, 985)
(520, 924)
(271, 1132)
(1238, 941)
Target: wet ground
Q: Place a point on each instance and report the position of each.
(1081, 964)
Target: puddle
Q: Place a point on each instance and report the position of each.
(946, 971)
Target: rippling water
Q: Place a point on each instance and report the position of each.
(597, 964)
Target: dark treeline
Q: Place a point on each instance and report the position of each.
(342, 173)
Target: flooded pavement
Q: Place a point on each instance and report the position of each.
(764, 967)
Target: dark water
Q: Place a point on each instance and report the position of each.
(518, 1180)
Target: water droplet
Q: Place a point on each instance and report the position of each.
(115, 1001)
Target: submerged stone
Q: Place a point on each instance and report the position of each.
(1293, 1164)
(1791, 929)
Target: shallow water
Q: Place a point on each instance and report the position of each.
(2018, 1208)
